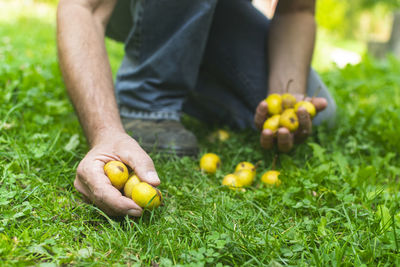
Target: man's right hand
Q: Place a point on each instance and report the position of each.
(92, 182)
(81, 26)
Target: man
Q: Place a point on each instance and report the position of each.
(212, 59)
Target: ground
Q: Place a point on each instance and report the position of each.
(338, 203)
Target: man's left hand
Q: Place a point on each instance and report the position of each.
(283, 137)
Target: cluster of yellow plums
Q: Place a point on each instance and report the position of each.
(282, 111)
(244, 175)
(145, 195)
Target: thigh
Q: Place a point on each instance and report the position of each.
(236, 50)
(214, 103)
(163, 53)
(233, 75)
(316, 87)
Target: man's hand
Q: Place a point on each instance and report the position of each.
(92, 182)
(81, 26)
(283, 137)
(291, 40)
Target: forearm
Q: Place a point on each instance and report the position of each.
(290, 49)
(85, 67)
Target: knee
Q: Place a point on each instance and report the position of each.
(328, 115)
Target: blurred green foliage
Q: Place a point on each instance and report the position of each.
(331, 13)
(347, 19)
(372, 3)
(341, 18)
(52, 2)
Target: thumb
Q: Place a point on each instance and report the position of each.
(143, 167)
(320, 103)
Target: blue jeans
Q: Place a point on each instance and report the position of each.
(207, 58)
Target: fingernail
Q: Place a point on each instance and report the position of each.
(133, 212)
(152, 177)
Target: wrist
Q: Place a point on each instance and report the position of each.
(281, 86)
(105, 134)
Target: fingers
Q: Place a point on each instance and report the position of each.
(143, 166)
(111, 201)
(107, 197)
(320, 103)
(284, 137)
(267, 139)
(94, 185)
(261, 114)
(305, 125)
(284, 140)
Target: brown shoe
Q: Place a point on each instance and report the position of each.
(162, 136)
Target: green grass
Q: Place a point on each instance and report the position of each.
(338, 204)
